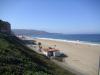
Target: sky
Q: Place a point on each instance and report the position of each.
(58, 16)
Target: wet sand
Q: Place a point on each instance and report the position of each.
(83, 58)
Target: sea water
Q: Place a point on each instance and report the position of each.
(84, 38)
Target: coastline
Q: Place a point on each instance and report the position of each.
(70, 41)
(82, 57)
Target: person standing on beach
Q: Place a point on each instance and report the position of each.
(40, 46)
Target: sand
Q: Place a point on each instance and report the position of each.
(83, 58)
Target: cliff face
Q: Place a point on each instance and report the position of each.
(5, 27)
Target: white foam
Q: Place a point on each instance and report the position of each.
(71, 41)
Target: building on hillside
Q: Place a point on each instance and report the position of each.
(5, 27)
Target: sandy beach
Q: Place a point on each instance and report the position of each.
(83, 58)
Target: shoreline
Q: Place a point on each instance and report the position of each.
(70, 41)
(82, 57)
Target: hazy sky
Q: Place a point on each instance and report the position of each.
(62, 16)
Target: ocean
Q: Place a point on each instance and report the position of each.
(86, 38)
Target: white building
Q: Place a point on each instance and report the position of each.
(51, 52)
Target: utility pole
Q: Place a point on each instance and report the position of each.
(99, 67)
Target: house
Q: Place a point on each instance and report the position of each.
(5, 27)
(51, 52)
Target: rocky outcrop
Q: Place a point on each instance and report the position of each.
(5, 27)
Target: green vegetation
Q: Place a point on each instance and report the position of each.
(17, 59)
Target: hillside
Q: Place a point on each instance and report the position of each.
(28, 31)
(17, 59)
